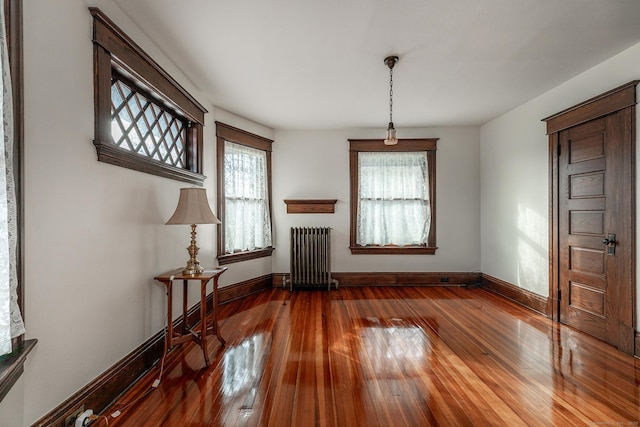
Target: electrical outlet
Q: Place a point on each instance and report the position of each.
(84, 418)
(70, 421)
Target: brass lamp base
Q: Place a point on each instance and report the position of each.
(193, 265)
(191, 269)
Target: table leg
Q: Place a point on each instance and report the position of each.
(185, 308)
(207, 326)
(203, 319)
(216, 327)
(169, 336)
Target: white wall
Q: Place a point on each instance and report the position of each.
(514, 188)
(514, 175)
(94, 233)
(315, 165)
(11, 412)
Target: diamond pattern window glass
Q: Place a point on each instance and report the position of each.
(140, 125)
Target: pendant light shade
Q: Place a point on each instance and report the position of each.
(391, 138)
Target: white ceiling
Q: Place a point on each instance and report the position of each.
(318, 64)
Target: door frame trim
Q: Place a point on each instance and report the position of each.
(609, 102)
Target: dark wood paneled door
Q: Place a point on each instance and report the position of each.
(595, 223)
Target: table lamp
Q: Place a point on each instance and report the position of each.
(193, 208)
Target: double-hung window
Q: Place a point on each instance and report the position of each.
(244, 189)
(144, 120)
(393, 197)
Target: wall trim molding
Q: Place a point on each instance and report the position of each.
(637, 345)
(395, 279)
(515, 293)
(243, 289)
(113, 382)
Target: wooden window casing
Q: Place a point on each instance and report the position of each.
(229, 133)
(404, 145)
(116, 54)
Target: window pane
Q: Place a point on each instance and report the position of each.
(139, 125)
(393, 198)
(247, 220)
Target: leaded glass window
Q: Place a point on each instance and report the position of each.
(140, 125)
(144, 119)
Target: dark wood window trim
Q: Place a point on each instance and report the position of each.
(13, 18)
(12, 365)
(114, 50)
(404, 145)
(224, 133)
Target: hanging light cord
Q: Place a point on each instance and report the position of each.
(391, 94)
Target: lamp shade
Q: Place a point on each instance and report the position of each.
(193, 208)
(391, 138)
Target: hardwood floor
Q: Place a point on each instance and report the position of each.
(388, 357)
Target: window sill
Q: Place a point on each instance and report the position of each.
(392, 250)
(244, 256)
(12, 366)
(109, 153)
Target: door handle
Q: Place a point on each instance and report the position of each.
(610, 241)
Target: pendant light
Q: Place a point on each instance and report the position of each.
(391, 138)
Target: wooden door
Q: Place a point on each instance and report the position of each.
(585, 219)
(596, 227)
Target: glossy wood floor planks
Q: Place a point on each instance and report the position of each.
(414, 356)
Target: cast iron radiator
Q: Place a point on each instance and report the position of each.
(311, 257)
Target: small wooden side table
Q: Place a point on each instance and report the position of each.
(206, 327)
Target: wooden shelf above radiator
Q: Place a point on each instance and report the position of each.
(310, 205)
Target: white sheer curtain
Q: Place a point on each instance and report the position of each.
(247, 220)
(393, 203)
(11, 324)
